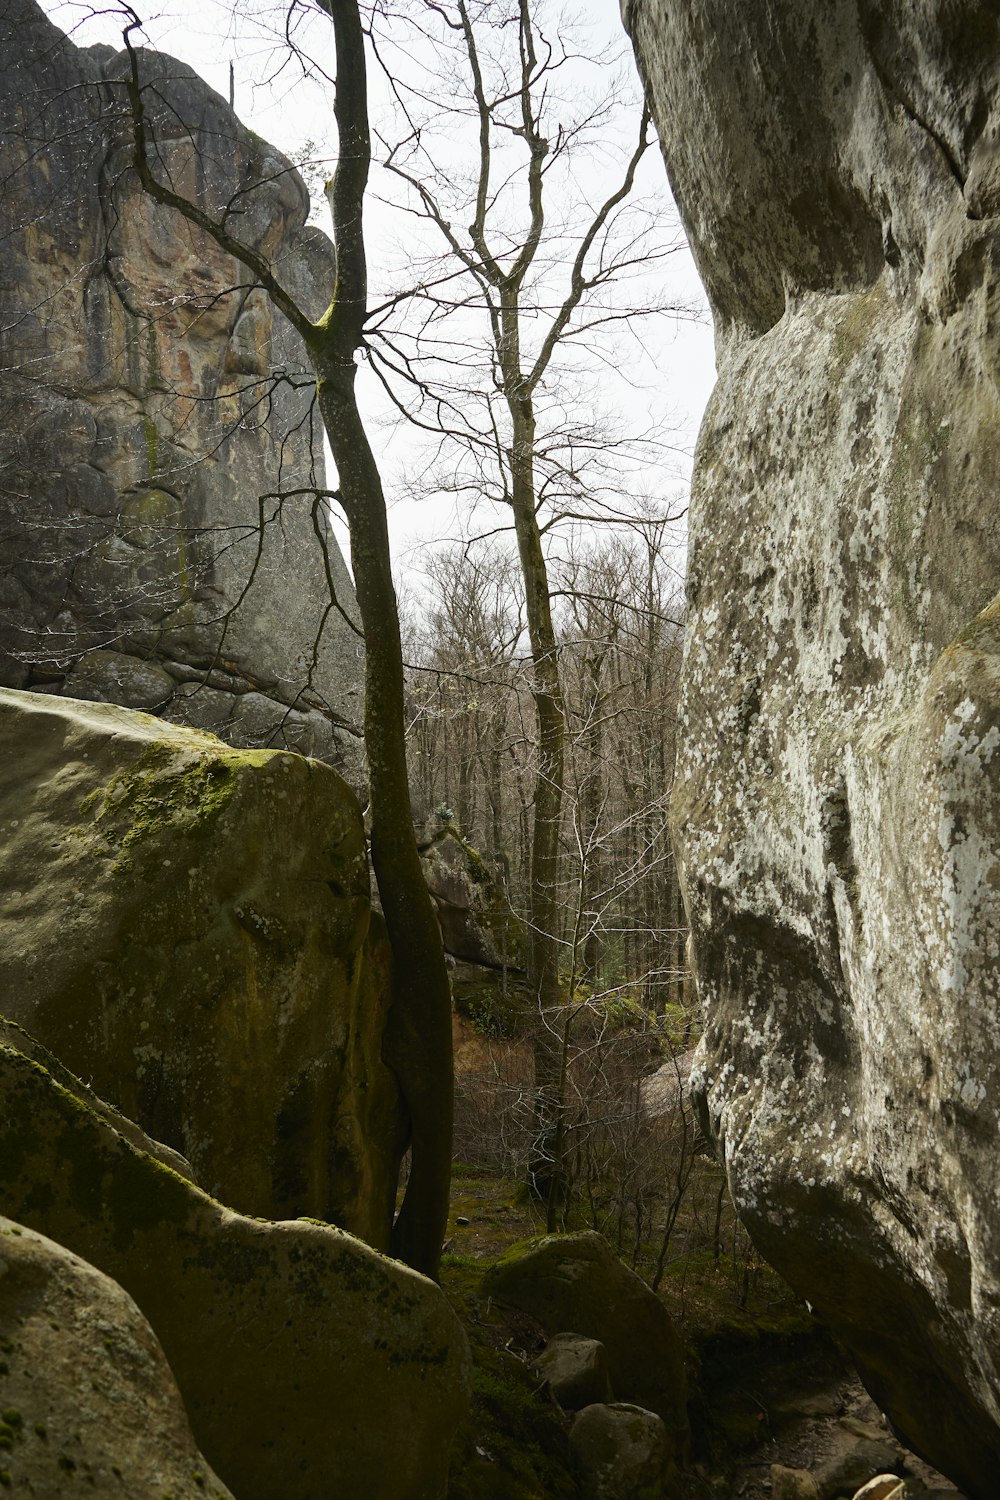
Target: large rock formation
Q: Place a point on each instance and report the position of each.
(309, 1365)
(186, 926)
(88, 1397)
(574, 1283)
(154, 409)
(837, 811)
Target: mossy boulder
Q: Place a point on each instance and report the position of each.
(187, 926)
(477, 923)
(574, 1283)
(310, 1365)
(575, 1370)
(621, 1452)
(88, 1401)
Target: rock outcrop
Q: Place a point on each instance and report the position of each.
(162, 547)
(620, 1452)
(88, 1398)
(574, 1283)
(187, 927)
(837, 806)
(309, 1365)
(478, 925)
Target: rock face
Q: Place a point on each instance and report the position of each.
(836, 808)
(574, 1283)
(88, 1397)
(154, 410)
(478, 925)
(186, 926)
(309, 1365)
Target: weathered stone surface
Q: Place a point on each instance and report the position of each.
(309, 1365)
(844, 1473)
(15, 1037)
(836, 805)
(575, 1369)
(792, 1484)
(150, 400)
(88, 1398)
(621, 1452)
(187, 926)
(478, 925)
(574, 1283)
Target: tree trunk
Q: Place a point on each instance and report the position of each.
(545, 1171)
(417, 1043)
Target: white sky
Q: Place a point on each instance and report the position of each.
(677, 365)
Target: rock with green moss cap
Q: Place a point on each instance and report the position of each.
(621, 1452)
(87, 1400)
(187, 926)
(574, 1283)
(310, 1365)
(478, 924)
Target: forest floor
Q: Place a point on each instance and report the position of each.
(768, 1385)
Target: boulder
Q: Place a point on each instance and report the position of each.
(158, 456)
(574, 1283)
(87, 1395)
(847, 1471)
(19, 1040)
(309, 1365)
(883, 1487)
(621, 1452)
(792, 1484)
(187, 927)
(837, 802)
(477, 923)
(575, 1369)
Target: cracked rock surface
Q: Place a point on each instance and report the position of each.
(836, 806)
(163, 548)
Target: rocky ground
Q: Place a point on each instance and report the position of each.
(776, 1411)
(826, 1434)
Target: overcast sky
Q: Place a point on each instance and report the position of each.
(677, 362)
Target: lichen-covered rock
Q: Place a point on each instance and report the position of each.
(88, 1399)
(621, 1452)
(838, 784)
(187, 926)
(310, 1366)
(574, 1283)
(478, 925)
(792, 1484)
(154, 409)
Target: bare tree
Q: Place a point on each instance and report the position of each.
(418, 1039)
(481, 352)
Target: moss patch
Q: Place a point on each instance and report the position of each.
(163, 791)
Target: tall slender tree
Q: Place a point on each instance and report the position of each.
(479, 351)
(418, 1040)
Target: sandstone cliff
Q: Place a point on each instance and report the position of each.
(836, 811)
(153, 410)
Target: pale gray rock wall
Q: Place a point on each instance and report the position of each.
(836, 805)
(149, 401)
